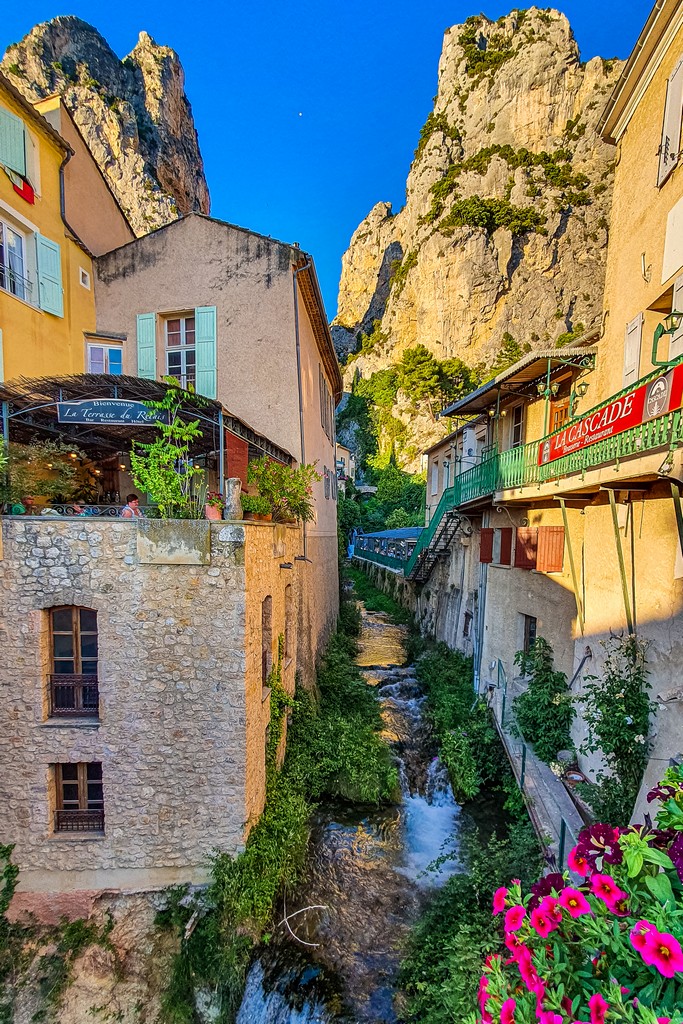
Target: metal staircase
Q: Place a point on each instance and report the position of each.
(439, 543)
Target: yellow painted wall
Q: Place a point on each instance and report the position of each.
(37, 343)
(638, 226)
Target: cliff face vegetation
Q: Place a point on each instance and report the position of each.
(501, 244)
(132, 113)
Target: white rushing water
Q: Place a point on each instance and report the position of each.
(430, 821)
(261, 1007)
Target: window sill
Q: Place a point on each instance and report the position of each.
(70, 723)
(24, 302)
(500, 565)
(77, 837)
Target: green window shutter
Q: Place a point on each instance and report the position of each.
(50, 292)
(12, 142)
(147, 345)
(205, 349)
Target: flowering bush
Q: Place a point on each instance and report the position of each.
(606, 949)
(288, 491)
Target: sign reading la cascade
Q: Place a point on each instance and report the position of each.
(114, 411)
(644, 403)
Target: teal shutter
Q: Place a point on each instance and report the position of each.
(147, 345)
(50, 292)
(12, 142)
(205, 349)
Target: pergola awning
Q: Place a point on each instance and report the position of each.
(521, 378)
(105, 413)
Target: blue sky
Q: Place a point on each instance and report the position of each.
(308, 113)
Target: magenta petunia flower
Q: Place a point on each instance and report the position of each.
(639, 934)
(549, 1017)
(507, 1012)
(575, 902)
(663, 951)
(514, 918)
(577, 862)
(545, 917)
(598, 1008)
(499, 900)
(606, 889)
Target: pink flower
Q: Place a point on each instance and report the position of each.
(499, 900)
(639, 934)
(663, 1020)
(545, 917)
(482, 998)
(528, 972)
(514, 918)
(577, 862)
(548, 1017)
(575, 902)
(662, 951)
(606, 889)
(507, 1012)
(598, 1008)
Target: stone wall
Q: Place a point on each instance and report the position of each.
(181, 732)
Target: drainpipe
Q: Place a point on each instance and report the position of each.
(297, 270)
(62, 198)
(481, 616)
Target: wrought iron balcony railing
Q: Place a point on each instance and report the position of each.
(16, 284)
(74, 696)
(519, 467)
(392, 561)
(79, 821)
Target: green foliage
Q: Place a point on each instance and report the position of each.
(348, 514)
(399, 519)
(287, 489)
(441, 969)
(617, 709)
(54, 970)
(510, 352)
(419, 373)
(369, 341)
(435, 123)
(155, 465)
(545, 711)
(569, 336)
(381, 387)
(400, 270)
(491, 214)
(43, 469)
(256, 505)
(375, 600)
(487, 58)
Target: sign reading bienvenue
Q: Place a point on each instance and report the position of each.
(114, 411)
(664, 394)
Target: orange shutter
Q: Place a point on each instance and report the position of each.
(525, 548)
(486, 545)
(550, 549)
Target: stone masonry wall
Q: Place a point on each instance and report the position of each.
(175, 707)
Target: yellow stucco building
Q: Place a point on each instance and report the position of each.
(47, 299)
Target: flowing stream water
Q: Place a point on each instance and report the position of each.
(367, 875)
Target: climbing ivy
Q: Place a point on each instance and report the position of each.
(545, 711)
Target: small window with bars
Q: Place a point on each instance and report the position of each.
(180, 350)
(79, 797)
(74, 688)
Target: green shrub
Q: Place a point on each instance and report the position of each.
(491, 214)
(435, 123)
(400, 270)
(545, 711)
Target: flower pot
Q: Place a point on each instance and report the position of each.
(261, 518)
(213, 512)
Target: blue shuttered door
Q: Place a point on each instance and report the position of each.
(12, 142)
(50, 292)
(205, 348)
(147, 345)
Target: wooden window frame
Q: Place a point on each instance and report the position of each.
(83, 820)
(76, 632)
(73, 694)
(10, 282)
(106, 349)
(517, 426)
(183, 348)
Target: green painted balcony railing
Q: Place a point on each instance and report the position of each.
(518, 467)
(392, 561)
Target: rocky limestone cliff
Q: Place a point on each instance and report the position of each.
(133, 114)
(505, 226)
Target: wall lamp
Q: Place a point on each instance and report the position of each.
(671, 324)
(545, 391)
(578, 392)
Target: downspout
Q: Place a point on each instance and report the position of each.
(481, 617)
(62, 197)
(304, 556)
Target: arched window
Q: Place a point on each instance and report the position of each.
(266, 638)
(289, 621)
(73, 663)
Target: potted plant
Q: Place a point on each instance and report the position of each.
(289, 490)
(213, 509)
(257, 507)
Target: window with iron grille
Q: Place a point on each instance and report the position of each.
(530, 624)
(73, 663)
(79, 797)
(13, 276)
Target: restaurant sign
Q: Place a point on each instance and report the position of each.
(112, 411)
(656, 397)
